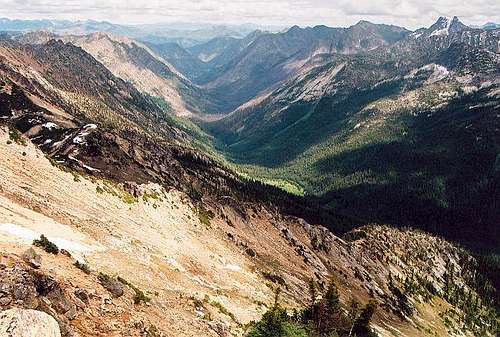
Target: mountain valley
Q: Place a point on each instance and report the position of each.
(218, 187)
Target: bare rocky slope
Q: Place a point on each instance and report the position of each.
(207, 266)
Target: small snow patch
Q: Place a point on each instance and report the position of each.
(416, 35)
(173, 262)
(78, 140)
(443, 31)
(18, 231)
(83, 165)
(90, 126)
(61, 141)
(35, 120)
(233, 267)
(438, 72)
(30, 235)
(50, 126)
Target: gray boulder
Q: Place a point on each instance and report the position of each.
(114, 286)
(32, 258)
(27, 323)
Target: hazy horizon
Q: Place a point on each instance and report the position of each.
(411, 14)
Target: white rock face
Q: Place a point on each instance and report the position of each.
(27, 323)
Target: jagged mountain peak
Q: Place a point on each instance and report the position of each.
(440, 27)
(443, 20)
(456, 25)
(444, 26)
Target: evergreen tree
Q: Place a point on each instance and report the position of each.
(313, 290)
(362, 323)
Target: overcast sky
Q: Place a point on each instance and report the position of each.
(408, 13)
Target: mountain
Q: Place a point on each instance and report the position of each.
(225, 69)
(488, 26)
(134, 62)
(203, 62)
(147, 226)
(220, 51)
(66, 26)
(119, 218)
(186, 34)
(409, 126)
(187, 64)
(146, 234)
(272, 58)
(24, 25)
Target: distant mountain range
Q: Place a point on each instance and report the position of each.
(186, 34)
(236, 70)
(489, 25)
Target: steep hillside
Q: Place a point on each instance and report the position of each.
(416, 121)
(211, 265)
(137, 64)
(187, 64)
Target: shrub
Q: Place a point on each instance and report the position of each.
(250, 252)
(103, 278)
(223, 310)
(194, 194)
(82, 266)
(275, 278)
(16, 136)
(198, 303)
(128, 198)
(205, 215)
(111, 284)
(47, 245)
(139, 295)
(150, 195)
(355, 235)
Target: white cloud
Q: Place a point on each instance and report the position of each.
(409, 13)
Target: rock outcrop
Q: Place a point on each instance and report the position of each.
(32, 258)
(27, 323)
